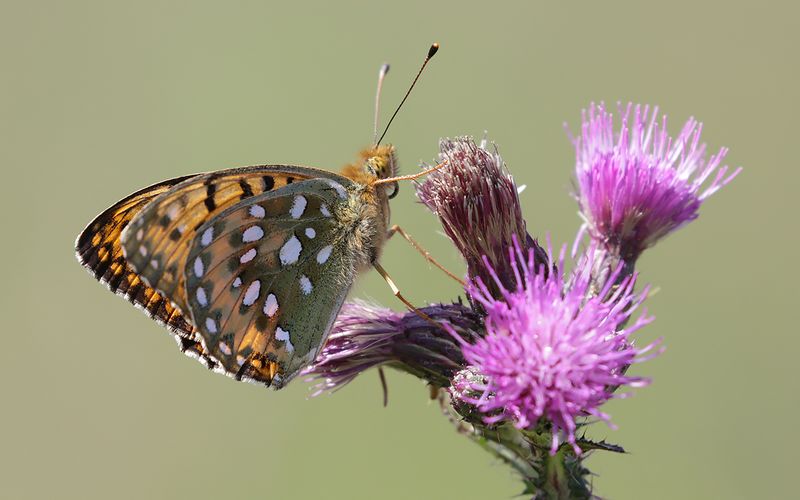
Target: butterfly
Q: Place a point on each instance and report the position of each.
(248, 267)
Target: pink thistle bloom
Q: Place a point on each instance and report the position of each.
(552, 350)
(638, 184)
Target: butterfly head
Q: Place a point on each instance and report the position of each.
(380, 161)
(376, 163)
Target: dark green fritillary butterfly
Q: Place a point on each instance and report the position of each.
(247, 267)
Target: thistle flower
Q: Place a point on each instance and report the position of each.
(478, 204)
(637, 184)
(537, 351)
(367, 336)
(551, 352)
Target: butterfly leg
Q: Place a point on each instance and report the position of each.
(411, 177)
(395, 229)
(396, 292)
(384, 386)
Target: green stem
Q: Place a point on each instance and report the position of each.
(564, 477)
(555, 476)
(558, 477)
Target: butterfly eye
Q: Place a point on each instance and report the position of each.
(392, 190)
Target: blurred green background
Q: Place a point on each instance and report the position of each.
(101, 98)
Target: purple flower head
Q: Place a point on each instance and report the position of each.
(367, 336)
(637, 184)
(552, 350)
(477, 202)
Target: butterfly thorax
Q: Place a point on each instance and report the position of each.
(366, 217)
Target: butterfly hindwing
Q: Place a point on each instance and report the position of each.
(266, 277)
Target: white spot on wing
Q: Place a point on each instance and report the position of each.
(172, 211)
(340, 190)
(239, 359)
(211, 325)
(298, 207)
(140, 234)
(207, 237)
(199, 268)
(226, 350)
(251, 294)
(237, 282)
(305, 285)
(271, 305)
(202, 299)
(248, 256)
(283, 335)
(154, 263)
(324, 209)
(310, 233)
(323, 254)
(253, 233)
(257, 211)
(290, 251)
(142, 250)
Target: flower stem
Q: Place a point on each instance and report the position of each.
(545, 476)
(563, 477)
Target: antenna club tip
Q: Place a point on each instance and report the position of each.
(384, 69)
(433, 50)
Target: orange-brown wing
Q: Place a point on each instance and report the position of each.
(157, 241)
(98, 248)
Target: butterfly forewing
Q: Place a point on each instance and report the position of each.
(99, 250)
(266, 278)
(157, 241)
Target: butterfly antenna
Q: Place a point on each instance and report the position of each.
(381, 75)
(431, 52)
